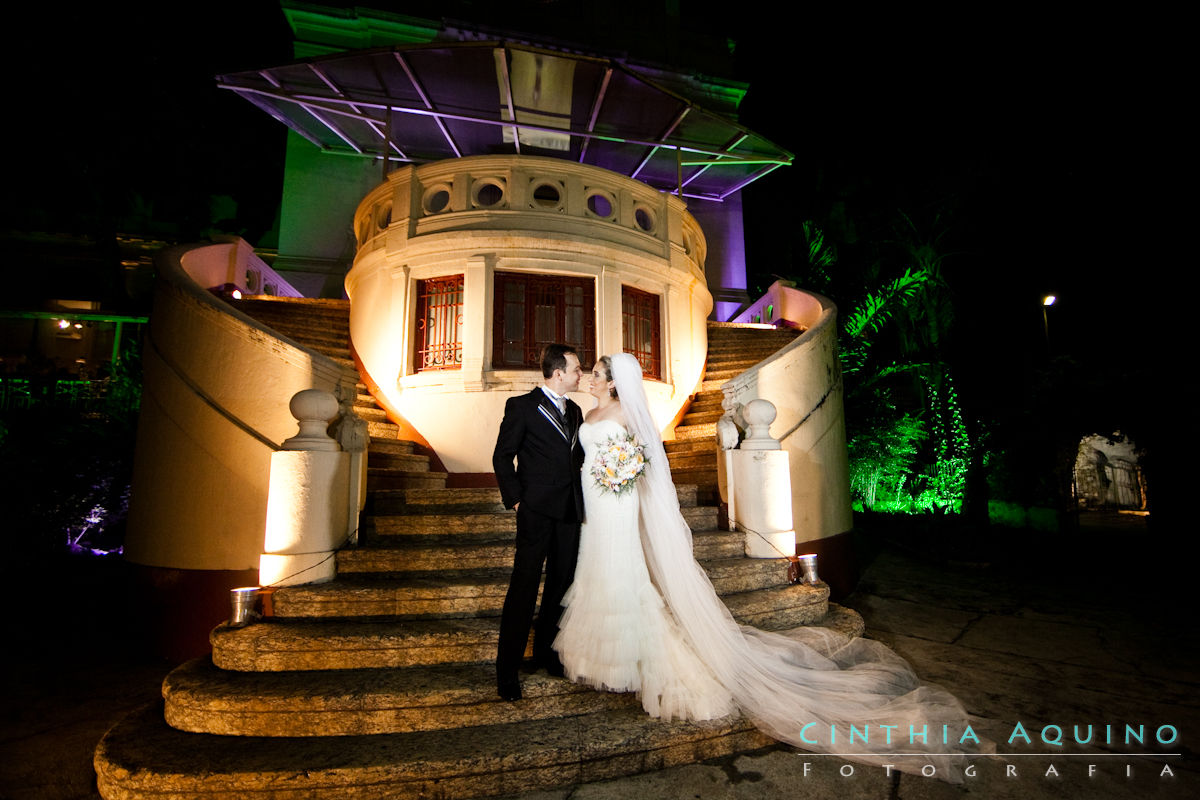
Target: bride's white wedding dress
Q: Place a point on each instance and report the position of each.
(615, 632)
(643, 616)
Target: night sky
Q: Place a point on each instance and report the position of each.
(1050, 140)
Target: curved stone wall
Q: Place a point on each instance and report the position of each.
(214, 407)
(804, 381)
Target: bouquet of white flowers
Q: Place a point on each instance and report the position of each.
(619, 463)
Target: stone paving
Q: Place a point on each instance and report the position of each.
(1071, 637)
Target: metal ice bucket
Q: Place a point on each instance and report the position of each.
(242, 602)
(808, 567)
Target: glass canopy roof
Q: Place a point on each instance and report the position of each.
(432, 102)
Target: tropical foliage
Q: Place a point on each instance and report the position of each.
(908, 438)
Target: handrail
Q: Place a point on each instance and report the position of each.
(218, 385)
(832, 388)
(206, 397)
(803, 380)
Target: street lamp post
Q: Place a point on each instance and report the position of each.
(1047, 301)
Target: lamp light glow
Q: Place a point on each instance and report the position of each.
(1049, 300)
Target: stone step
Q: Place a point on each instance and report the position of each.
(142, 757)
(478, 500)
(685, 447)
(377, 462)
(425, 501)
(694, 460)
(472, 591)
(724, 373)
(464, 595)
(282, 644)
(706, 401)
(701, 417)
(433, 552)
(382, 430)
(203, 699)
(371, 413)
(393, 480)
(318, 334)
(294, 307)
(446, 594)
(493, 523)
(486, 524)
(388, 446)
(707, 430)
(753, 347)
(405, 462)
(312, 324)
(742, 357)
(706, 479)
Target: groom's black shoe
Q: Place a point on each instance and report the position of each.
(509, 690)
(553, 667)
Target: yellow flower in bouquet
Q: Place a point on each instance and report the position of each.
(619, 463)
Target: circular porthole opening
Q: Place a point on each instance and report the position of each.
(488, 194)
(546, 195)
(600, 205)
(644, 218)
(437, 200)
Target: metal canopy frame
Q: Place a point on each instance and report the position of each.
(431, 102)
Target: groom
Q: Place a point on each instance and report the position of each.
(541, 429)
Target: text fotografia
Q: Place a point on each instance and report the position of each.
(1050, 770)
(1050, 742)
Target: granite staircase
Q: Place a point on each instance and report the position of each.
(732, 349)
(380, 683)
(324, 326)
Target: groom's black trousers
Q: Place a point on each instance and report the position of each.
(540, 540)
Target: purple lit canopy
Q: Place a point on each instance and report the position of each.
(440, 101)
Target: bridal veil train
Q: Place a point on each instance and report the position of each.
(811, 687)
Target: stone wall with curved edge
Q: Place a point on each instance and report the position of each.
(214, 408)
(804, 381)
(485, 214)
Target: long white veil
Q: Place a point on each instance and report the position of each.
(813, 688)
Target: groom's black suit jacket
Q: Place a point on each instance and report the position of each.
(548, 454)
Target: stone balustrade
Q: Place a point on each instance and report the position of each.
(543, 195)
(804, 382)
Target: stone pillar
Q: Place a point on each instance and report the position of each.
(760, 502)
(307, 507)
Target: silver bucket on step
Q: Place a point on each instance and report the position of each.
(242, 605)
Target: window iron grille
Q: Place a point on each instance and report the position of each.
(439, 323)
(532, 311)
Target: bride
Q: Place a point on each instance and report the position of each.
(642, 616)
